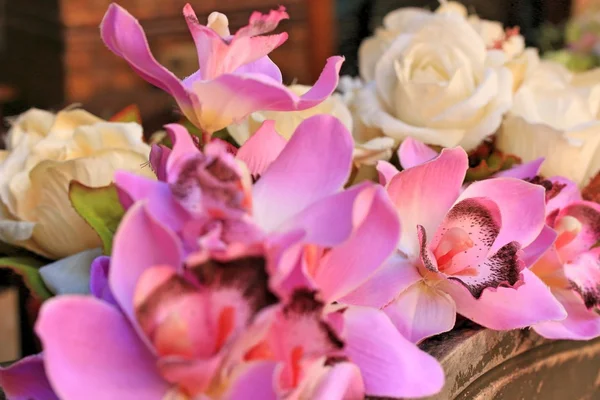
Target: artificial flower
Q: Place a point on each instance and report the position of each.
(444, 65)
(571, 267)
(554, 119)
(461, 250)
(236, 76)
(44, 152)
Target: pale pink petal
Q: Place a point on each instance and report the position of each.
(522, 208)
(528, 170)
(259, 23)
(342, 381)
(508, 308)
(569, 193)
(583, 274)
(184, 148)
(255, 378)
(301, 174)
(124, 36)
(263, 66)
(422, 311)
(386, 172)
(580, 324)
(413, 152)
(347, 265)
(390, 365)
(26, 380)
(157, 195)
(90, 347)
(140, 243)
(588, 215)
(261, 149)
(248, 50)
(424, 194)
(391, 279)
(533, 252)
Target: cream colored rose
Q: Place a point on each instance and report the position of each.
(554, 119)
(437, 85)
(400, 21)
(44, 152)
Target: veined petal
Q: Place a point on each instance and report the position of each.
(296, 178)
(424, 194)
(262, 149)
(124, 36)
(413, 152)
(422, 311)
(26, 380)
(90, 347)
(390, 365)
(508, 308)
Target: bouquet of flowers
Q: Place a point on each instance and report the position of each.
(457, 176)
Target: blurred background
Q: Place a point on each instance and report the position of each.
(51, 56)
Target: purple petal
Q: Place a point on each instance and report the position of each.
(99, 280)
(90, 347)
(27, 380)
(158, 160)
(527, 170)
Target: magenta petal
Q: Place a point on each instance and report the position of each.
(301, 175)
(422, 311)
(580, 324)
(140, 243)
(424, 194)
(527, 170)
(342, 381)
(583, 274)
(522, 208)
(183, 149)
(27, 380)
(569, 193)
(124, 36)
(261, 149)
(256, 378)
(90, 347)
(391, 366)
(588, 215)
(347, 265)
(99, 280)
(157, 195)
(386, 172)
(508, 308)
(391, 279)
(158, 160)
(259, 23)
(413, 152)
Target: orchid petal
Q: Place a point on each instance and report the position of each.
(528, 170)
(413, 152)
(92, 351)
(390, 365)
(386, 172)
(342, 381)
(99, 287)
(26, 380)
(569, 193)
(583, 274)
(124, 36)
(521, 207)
(262, 149)
(422, 311)
(424, 194)
(587, 213)
(159, 155)
(392, 278)
(296, 178)
(508, 308)
(264, 66)
(256, 378)
(533, 252)
(140, 243)
(184, 148)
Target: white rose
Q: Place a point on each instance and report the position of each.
(438, 86)
(44, 152)
(553, 118)
(397, 22)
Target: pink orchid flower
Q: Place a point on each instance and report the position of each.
(26, 379)
(571, 267)
(461, 251)
(235, 78)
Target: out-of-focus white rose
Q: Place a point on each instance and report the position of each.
(437, 85)
(553, 118)
(397, 22)
(44, 152)
(496, 37)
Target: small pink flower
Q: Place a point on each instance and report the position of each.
(461, 250)
(236, 76)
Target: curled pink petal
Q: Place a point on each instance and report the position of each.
(386, 172)
(413, 152)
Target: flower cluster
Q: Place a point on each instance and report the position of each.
(268, 271)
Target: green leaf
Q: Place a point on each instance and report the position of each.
(28, 269)
(128, 114)
(100, 208)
